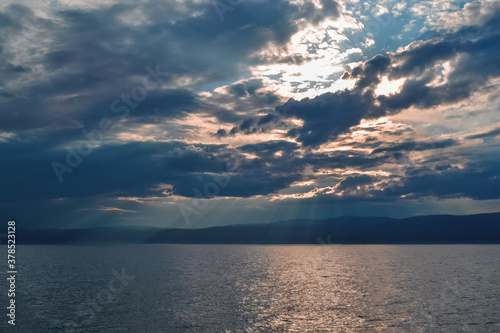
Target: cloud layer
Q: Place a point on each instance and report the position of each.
(148, 107)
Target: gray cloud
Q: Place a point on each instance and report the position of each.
(417, 146)
(96, 57)
(492, 133)
(329, 115)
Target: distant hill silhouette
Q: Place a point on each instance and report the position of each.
(435, 229)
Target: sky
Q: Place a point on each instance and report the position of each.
(194, 113)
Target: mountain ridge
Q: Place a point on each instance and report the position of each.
(430, 229)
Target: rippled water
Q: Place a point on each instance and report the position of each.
(240, 288)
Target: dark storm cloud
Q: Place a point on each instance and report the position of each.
(198, 45)
(418, 146)
(481, 183)
(18, 18)
(156, 106)
(341, 160)
(246, 97)
(270, 147)
(5, 20)
(97, 57)
(246, 124)
(267, 118)
(492, 133)
(136, 169)
(327, 116)
(258, 124)
(16, 69)
(479, 180)
(221, 133)
(371, 71)
(352, 183)
(245, 184)
(245, 88)
(191, 159)
(421, 55)
(98, 54)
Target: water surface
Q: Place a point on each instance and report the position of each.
(245, 288)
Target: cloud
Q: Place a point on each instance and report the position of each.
(473, 49)
(417, 146)
(95, 55)
(270, 147)
(16, 69)
(472, 13)
(370, 71)
(488, 134)
(353, 184)
(327, 116)
(208, 85)
(135, 169)
(235, 102)
(475, 183)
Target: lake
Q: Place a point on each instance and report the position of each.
(258, 288)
